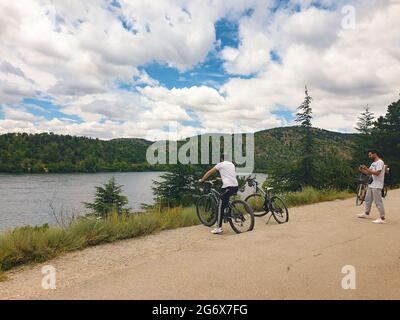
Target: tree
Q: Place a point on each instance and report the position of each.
(391, 121)
(304, 111)
(305, 170)
(108, 198)
(386, 139)
(179, 187)
(365, 123)
(365, 126)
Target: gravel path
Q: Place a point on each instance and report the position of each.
(302, 259)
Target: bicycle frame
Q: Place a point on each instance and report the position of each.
(265, 194)
(258, 190)
(217, 197)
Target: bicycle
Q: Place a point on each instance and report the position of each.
(262, 202)
(238, 214)
(362, 187)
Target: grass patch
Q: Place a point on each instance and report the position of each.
(3, 277)
(37, 244)
(311, 195)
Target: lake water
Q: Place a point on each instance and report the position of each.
(26, 199)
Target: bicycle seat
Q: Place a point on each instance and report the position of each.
(270, 188)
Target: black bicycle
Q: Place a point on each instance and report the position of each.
(239, 214)
(262, 202)
(362, 187)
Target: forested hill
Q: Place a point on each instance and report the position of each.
(277, 146)
(46, 152)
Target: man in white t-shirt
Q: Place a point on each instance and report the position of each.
(230, 186)
(375, 186)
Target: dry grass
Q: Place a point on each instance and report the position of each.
(38, 244)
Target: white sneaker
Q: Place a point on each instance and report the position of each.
(217, 231)
(363, 216)
(379, 221)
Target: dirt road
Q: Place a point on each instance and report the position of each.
(302, 259)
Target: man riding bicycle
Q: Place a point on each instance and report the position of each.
(230, 186)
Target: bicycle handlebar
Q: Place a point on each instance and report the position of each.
(209, 181)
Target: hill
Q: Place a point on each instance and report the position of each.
(47, 152)
(283, 145)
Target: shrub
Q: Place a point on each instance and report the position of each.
(309, 195)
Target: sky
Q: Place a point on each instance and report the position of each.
(131, 68)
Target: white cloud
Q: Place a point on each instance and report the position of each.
(344, 69)
(19, 115)
(77, 53)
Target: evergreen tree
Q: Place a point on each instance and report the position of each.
(365, 122)
(387, 141)
(305, 169)
(304, 111)
(179, 187)
(391, 121)
(364, 141)
(108, 198)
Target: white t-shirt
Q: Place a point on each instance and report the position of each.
(378, 181)
(228, 174)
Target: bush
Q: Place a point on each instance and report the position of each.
(309, 195)
(108, 198)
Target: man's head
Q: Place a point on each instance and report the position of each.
(224, 157)
(373, 154)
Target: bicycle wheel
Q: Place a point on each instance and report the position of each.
(279, 210)
(207, 209)
(256, 203)
(361, 193)
(384, 192)
(241, 216)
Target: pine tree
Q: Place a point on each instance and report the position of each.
(306, 165)
(387, 141)
(391, 121)
(304, 113)
(178, 187)
(108, 198)
(365, 122)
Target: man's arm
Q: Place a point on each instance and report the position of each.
(373, 172)
(209, 173)
(367, 171)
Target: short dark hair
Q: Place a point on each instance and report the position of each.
(373, 151)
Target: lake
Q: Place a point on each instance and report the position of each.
(26, 199)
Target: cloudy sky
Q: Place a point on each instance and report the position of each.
(128, 68)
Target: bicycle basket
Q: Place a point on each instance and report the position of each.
(250, 183)
(205, 188)
(364, 178)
